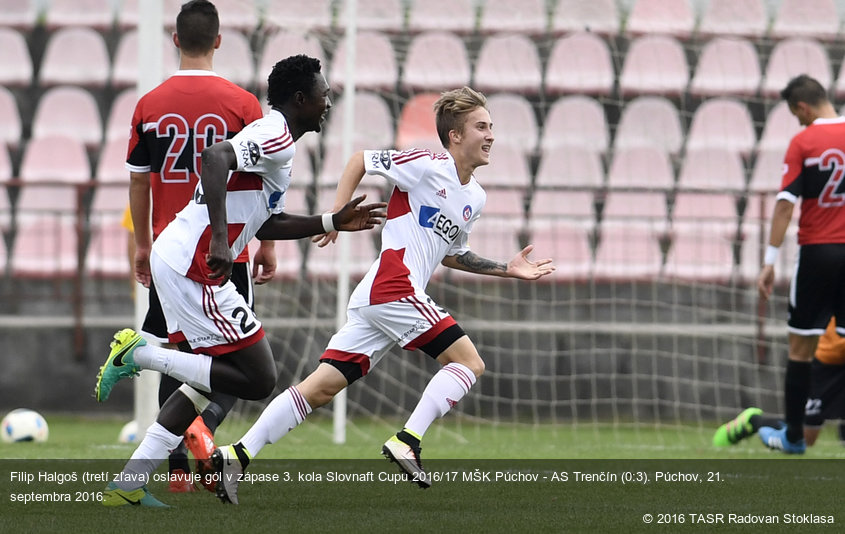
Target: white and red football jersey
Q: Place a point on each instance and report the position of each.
(429, 216)
(264, 151)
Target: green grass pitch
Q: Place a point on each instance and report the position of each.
(556, 478)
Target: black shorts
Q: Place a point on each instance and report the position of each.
(817, 292)
(155, 323)
(827, 394)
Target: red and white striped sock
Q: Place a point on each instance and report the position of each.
(444, 390)
(282, 415)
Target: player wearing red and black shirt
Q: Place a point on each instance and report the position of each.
(171, 126)
(814, 167)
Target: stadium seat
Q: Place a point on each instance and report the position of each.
(416, 128)
(55, 159)
(508, 63)
(577, 121)
(19, 14)
(722, 123)
(71, 112)
(637, 207)
(737, 18)
(5, 205)
(375, 15)
(45, 247)
(570, 166)
(499, 16)
(119, 119)
(127, 14)
(283, 44)
(654, 65)
(567, 244)
(700, 255)
(324, 262)
(644, 167)
(233, 60)
(712, 168)
(768, 171)
(792, 57)
(111, 165)
(75, 56)
(15, 62)
(10, 118)
(596, 16)
(650, 121)
(658, 17)
(505, 203)
(575, 207)
(508, 168)
(727, 66)
(106, 252)
(304, 16)
(813, 19)
(436, 61)
(628, 252)
(97, 14)
(125, 69)
(515, 121)
(781, 125)
(456, 16)
(5, 167)
(237, 15)
(492, 237)
(375, 64)
(580, 63)
(705, 210)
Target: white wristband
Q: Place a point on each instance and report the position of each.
(771, 255)
(328, 223)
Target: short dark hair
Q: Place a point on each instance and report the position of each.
(292, 74)
(805, 89)
(197, 26)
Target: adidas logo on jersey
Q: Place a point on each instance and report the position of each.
(441, 193)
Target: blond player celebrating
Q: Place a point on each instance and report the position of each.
(434, 204)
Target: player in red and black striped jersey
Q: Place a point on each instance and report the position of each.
(172, 124)
(814, 167)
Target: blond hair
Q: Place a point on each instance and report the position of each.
(451, 109)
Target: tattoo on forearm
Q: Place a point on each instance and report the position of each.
(478, 264)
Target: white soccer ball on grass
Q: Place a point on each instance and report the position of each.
(129, 433)
(24, 425)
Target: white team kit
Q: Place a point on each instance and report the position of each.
(212, 319)
(429, 216)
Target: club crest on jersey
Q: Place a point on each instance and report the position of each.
(381, 158)
(250, 153)
(467, 212)
(442, 226)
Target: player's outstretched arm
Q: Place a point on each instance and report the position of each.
(354, 216)
(519, 267)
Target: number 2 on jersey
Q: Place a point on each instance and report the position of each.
(832, 160)
(207, 130)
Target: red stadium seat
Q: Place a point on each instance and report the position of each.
(70, 112)
(499, 16)
(781, 125)
(575, 207)
(508, 168)
(567, 244)
(375, 64)
(19, 14)
(106, 253)
(580, 63)
(570, 166)
(436, 61)
(75, 56)
(722, 123)
(650, 121)
(813, 19)
(712, 168)
(508, 63)
(10, 118)
(628, 252)
(697, 255)
(283, 44)
(416, 127)
(125, 68)
(375, 15)
(97, 14)
(768, 171)
(111, 165)
(696, 210)
(15, 62)
(738, 18)
(304, 16)
(675, 18)
(596, 16)
(654, 65)
(233, 60)
(792, 57)
(642, 167)
(55, 159)
(727, 67)
(456, 16)
(577, 121)
(644, 208)
(119, 120)
(515, 121)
